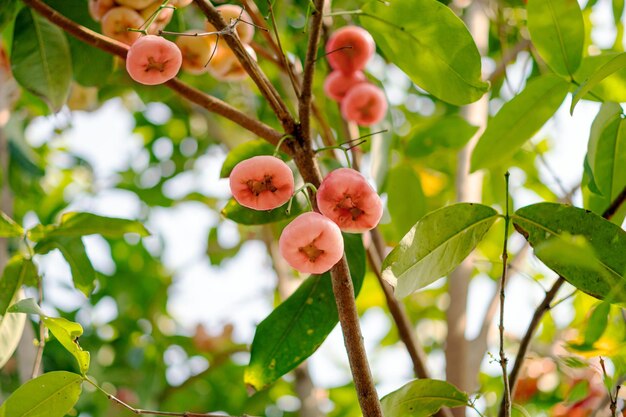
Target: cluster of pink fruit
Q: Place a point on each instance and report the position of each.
(348, 51)
(312, 242)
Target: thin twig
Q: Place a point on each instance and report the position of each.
(42, 336)
(507, 58)
(281, 53)
(615, 205)
(505, 258)
(192, 94)
(306, 96)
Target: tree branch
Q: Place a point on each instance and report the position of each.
(506, 397)
(309, 69)
(507, 57)
(192, 94)
(252, 68)
(615, 205)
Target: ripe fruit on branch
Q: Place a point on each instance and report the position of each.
(346, 198)
(117, 21)
(364, 104)
(229, 13)
(338, 84)
(225, 66)
(135, 4)
(153, 60)
(262, 182)
(98, 8)
(163, 18)
(311, 243)
(196, 51)
(349, 49)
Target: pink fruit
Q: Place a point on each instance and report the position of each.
(346, 198)
(197, 51)
(229, 13)
(135, 4)
(153, 60)
(311, 243)
(349, 49)
(262, 182)
(98, 8)
(225, 66)
(117, 21)
(364, 104)
(338, 84)
(180, 3)
(163, 18)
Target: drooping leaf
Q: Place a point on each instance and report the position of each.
(27, 306)
(451, 132)
(83, 224)
(298, 326)
(11, 329)
(611, 67)
(518, 120)
(245, 151)
(597, 323)
(611, 88)
(40, 58)
(543, 221)
(406, 201)
(436, 245)
(422, 398)
(433, 47)
(558, 32)
(66, 332)
(243, 215)
(51, 395)
(73, 250)
(8, 227)
(17, 271)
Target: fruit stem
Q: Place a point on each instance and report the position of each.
(153, 16)
(306, 195)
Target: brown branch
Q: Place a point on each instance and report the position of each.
(315, 30)
(250, 65)
(615, 205)
(507, 57)
(192, 94)
(506, 397)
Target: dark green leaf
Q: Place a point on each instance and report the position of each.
(422, 398)
(40, 58)
(83, 224)
(406, 201)
(436, 245)
(597, 323)
(11, 328)
(8, 228)
(297, 327)
(243, 215)
(518, 120)
(451, 132)
(51, 395)
(73, 250)
(543, 221)
(617, 63)
(433, 47)
(8, 11)
(246, 151)
(16, 272)
(558, 32)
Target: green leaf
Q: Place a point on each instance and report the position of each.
(543, 221)
(436, 245)
(433, 47)
(66, 333)
(83, 224)
(8, 11)
(557, 30)
(243, 215)
(40, 58)
(8, 227)
(422, 398)
(612, 88)
(298, 326)
(11, 329)
(406, 201)
(597, 324)
(27, 306)
(518, 120)
(451, 132)
(615, 64)
(51, 395)
(17, 271)
(246, 151)
(73, 250)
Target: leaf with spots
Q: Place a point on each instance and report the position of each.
(297, 327)
(50, 395)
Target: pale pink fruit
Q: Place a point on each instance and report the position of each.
(346, 198)
(98, 8)
(153, 60)
(364, 104)
(196, 52)
(180, 3)
(349, 49)
(135, 4)
(117, 21)
(262, 182)
(311, 243)
(163, 18)
(229, 13)
(225, 66)
(338, 84)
